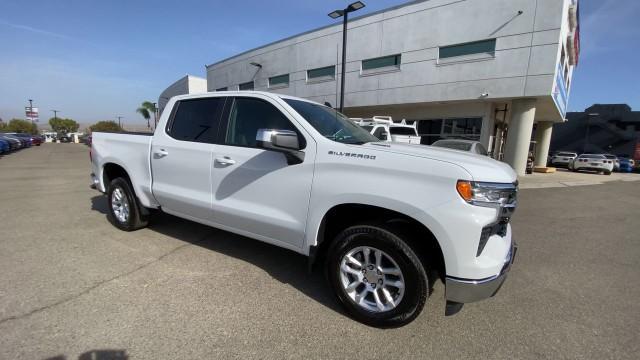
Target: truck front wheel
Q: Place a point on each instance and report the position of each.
(124, 208)
(377, 276)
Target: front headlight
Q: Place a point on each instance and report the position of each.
(487, 193)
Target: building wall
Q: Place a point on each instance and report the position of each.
(527, 49)
(613, 128)
(186, 85)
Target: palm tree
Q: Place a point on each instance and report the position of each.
(146, 110)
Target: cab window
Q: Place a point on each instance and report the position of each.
(247, 116)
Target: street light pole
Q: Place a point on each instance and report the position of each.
(345, 18)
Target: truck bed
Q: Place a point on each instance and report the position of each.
(131, 152)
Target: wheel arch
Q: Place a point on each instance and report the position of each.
(341, 216)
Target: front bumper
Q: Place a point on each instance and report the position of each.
(467, 290)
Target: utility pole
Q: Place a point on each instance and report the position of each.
(31, 110)
(155, 117)
(55, 114)
(119, 123)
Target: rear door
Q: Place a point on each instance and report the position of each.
(255, 191)
(181, 157)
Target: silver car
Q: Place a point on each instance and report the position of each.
(563, 158)
(474, 147)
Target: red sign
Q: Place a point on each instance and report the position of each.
(636, 155)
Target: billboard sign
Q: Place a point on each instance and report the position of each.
(32, 113)
(560, 96)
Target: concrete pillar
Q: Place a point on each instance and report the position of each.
(543, 140)
(487, 125)
(523, 112)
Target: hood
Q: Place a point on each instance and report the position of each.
(481, 168)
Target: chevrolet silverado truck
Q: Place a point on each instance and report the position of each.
(302, 176)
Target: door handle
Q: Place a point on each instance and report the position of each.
(161, 153)
(225, 160)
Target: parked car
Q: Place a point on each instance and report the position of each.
(5, 146)
(616, 161)
(592, 162)
(63, 138)
(30, 139)
(250, 170)
(15, 142)
(474, 147)
(37, 140)
(562, 158)
(627, 165)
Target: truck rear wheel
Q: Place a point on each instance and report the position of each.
(124, 207)
(376, 276)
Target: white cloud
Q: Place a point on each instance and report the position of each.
(35, 30)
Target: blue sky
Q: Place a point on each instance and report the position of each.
(94, 60)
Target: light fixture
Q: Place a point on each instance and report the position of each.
(355, 6)
(336, 14)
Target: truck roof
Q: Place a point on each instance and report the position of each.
(240, 93)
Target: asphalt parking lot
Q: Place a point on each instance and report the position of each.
(72, 286)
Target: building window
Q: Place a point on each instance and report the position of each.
(246, 86)
(470, 51)
(458, 128)
(222, 89)
(385, 63)
(279, 81)
(321, 74)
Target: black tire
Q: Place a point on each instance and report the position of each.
(607, 172)
(381, 237)
(135, 220)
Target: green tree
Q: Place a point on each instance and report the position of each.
(61, 125)
(21, 126)
(147, 109)
(107, 126)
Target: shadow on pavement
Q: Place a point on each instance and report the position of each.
(97, 355)
(283, 265)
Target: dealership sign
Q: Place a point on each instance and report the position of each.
(560, 96)
(32, 113)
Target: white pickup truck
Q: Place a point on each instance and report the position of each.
(385, 129)
(299, 175)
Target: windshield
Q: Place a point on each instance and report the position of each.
(330, 123)
(401, 130)
(368, 128)
(591, 156)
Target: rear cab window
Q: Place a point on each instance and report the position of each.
(196, 120)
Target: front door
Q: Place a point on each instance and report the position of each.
(181, 157)
(255, 191)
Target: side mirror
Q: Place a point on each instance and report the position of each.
(284, 141)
